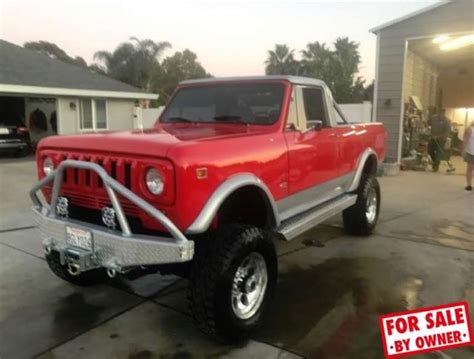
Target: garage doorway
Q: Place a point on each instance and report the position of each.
(41, 115)
(439, 74)
(34, 117)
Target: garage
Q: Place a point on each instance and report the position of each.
(27, 118)
(439, 74)
(424, 63)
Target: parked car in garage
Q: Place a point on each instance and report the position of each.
(14, 138)
(231, 164)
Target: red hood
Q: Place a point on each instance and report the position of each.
(155, 141)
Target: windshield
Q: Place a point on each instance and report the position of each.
(257, 104)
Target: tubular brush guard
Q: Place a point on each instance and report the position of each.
(111, 249)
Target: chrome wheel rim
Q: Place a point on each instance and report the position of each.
(371, 206)
(249, 286)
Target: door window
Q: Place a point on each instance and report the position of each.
(340, 120)
(314, 106)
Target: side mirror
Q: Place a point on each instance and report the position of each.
(315, 125)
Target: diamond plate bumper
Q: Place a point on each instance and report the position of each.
(111, 249)
(115, 250)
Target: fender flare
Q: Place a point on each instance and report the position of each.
(226, 188)
(360, 168)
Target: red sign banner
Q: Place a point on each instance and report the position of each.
(426, 330)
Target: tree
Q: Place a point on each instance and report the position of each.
(358, 91)
(133, 62)
(338, 68)
(369, 92)
(137, 62)
(54, 51)
(317, 61)
(281, 61)
(181, 66)
(347, 60)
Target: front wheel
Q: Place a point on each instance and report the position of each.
(361, 218)
(233, 278)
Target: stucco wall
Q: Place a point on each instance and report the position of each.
(453, 17)
(120, 114)
(68, 115)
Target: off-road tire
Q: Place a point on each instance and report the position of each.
(85, 279)
(217, 258)
(354, 217)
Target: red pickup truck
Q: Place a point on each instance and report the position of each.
(231, 164)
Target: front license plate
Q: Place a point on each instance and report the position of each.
(78, 237)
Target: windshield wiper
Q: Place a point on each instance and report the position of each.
(179, 119)
(230, 118)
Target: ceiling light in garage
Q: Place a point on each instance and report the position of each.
(440, 39)
(458, 43)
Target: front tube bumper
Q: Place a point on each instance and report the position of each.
(115, 250)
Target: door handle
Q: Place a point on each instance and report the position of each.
(332, 135)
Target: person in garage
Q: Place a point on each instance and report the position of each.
(468, 154)
(440, 131)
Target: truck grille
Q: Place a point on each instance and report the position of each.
(118, 168)
(85, 188)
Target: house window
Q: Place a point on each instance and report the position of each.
(93, 114)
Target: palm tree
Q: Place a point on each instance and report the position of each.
(348, 53)
(281, 61)
(133, 62)
(346, 63)
(315, 51)
(316, 61)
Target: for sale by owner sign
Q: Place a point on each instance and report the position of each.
(425, 330)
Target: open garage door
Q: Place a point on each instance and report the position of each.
(439, 74)
(14, 136)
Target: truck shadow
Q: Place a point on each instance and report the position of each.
(331, 309)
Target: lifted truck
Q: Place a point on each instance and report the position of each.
(230, 164)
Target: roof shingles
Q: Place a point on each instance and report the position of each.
(20, 66)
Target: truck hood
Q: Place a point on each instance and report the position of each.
(154, 141)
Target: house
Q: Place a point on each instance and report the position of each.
(53, 97)
(425, 58)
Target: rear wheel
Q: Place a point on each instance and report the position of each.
(91, 277)
(233, 278)
(361, 218)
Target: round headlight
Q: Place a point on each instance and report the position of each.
(48, 166)
(154, 181)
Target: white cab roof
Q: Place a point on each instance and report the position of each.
(293, 79)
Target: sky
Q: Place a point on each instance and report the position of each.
(231, 38)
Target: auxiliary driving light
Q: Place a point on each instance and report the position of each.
(108, 217)
(62, 207)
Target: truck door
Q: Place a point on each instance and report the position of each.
(312, 152)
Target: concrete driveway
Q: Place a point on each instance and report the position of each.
(331, 288)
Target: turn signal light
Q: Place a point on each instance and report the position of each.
(201, 173)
